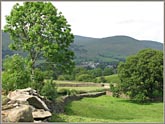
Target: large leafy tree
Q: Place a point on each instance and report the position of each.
(38, 29)
(142, 75)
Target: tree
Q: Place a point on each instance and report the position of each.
(96, 72)
(16, 74)
(84, 77)
(142, 75)
(40, 30)
(107, 71)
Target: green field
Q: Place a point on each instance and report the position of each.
(110, 109)
(111, 78)
(83, 89)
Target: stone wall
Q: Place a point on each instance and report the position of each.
(59, 105)
(83, 85)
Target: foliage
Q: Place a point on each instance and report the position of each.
(40, 30)
(101, 80)
(96, 72)
(84, 77)
(16, 75)
(38, 82)
(65, 77)
(64, 90)
(108, 71)
(49, 90)
(112, 79)
(110, 109)
(142, 75)
(116, 90)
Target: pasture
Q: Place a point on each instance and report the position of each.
(110, 109)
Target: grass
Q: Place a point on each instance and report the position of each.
(83, 89)
(111, 78)
(69, 82)
(110, 109)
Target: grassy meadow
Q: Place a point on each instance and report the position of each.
(111, 78)
(110, 109)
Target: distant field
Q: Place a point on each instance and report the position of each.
(68, 82)
(112, 78)
(110, 109)
(85, 89)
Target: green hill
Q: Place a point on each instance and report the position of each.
(109, 49)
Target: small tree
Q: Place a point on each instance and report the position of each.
(15, 74)
(142, 75)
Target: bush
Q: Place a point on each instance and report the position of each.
(101, 79)
(116, 90)
(84, 77)
(64, 91)
(49, 90)
(16, 75)
(65, 77)
(38, 79)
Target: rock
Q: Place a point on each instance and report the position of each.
(5, 100)
(23, 113)
(10, 106)
(25, 105)
(37, 103)
(25, 96)
(19, 95)
(41, 114)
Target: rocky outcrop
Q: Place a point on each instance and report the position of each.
(41, 114)
(21, 113)
(37, 103)
(25, 105)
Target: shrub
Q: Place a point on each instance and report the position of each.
(16, 75)
(38, 80)
(49, 90)
(64, 91)
(65, 77)
(116, 90)
(84, 77)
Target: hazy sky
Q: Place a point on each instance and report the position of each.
(140, 20)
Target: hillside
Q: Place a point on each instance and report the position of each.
(109, 49)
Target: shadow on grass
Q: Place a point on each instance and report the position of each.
(95, 116)
(139, 102)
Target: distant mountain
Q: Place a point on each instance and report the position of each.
(110, 49)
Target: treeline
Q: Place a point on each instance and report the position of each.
(88, 75)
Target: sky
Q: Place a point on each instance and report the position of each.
(140, 20)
